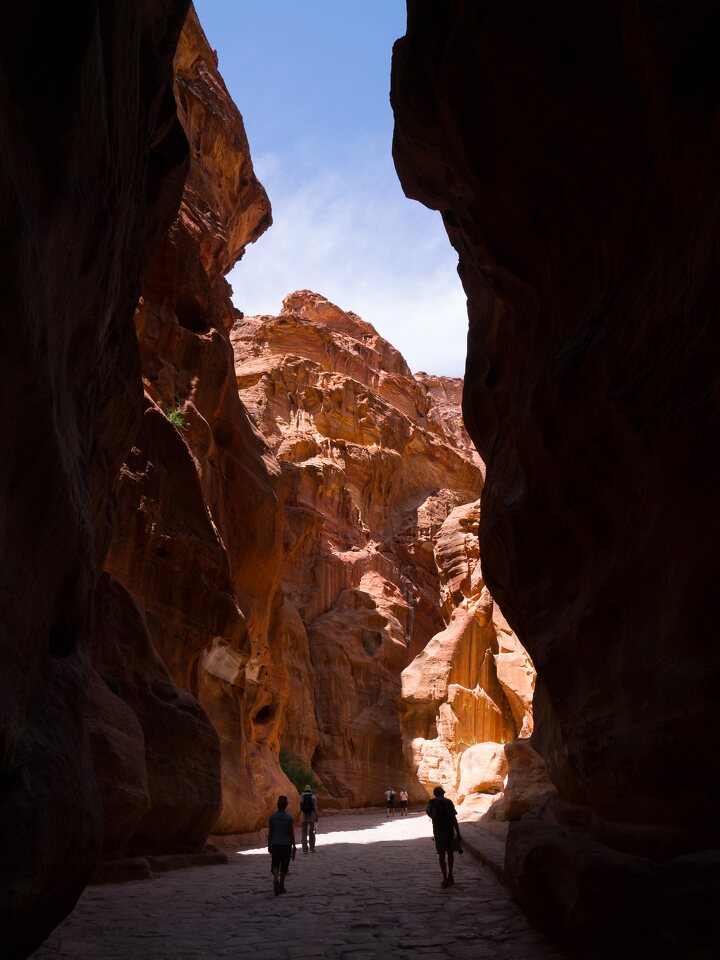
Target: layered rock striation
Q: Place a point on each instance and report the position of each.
(572, 151)
(91, 168)
(373, 460)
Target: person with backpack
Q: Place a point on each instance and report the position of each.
(308, 818)
(390, 802)
(281, 843)
(446, 832)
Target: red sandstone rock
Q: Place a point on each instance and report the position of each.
(473, 682)
(372, 463)
(528, 786)
(168, 791)
(199, 528)
(567, 147)
(483, 768)
(91, 164)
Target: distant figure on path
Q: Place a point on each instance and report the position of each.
(308, 818)
(281, 843)
(443, 814)
(390, 802)
(403, 801)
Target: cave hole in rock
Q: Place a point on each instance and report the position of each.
(190, 313)
(264, 715)
(371, 641)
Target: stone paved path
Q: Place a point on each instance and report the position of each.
(371, 890)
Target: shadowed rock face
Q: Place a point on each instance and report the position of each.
(573, 152)
(91, 164)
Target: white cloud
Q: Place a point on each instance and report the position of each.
(346, 231)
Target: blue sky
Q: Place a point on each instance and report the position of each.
(312, 78)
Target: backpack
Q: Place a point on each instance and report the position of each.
(307, 803)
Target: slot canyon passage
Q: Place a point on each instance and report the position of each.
(243, 552)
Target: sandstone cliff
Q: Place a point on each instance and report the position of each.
(572, 149)
(198, 534)
(373, 459)
(90, 169)
(469, 691)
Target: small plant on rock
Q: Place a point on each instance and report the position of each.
(176, 418)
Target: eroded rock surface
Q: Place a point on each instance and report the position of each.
(90, 168)
(470, 690)
(568, 149)
(198, 535)
(373, 459)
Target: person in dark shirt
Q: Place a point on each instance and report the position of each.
(281, 843)
(443, 814)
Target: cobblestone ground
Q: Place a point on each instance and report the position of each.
(371, 890)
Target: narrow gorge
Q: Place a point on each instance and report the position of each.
(272, 570)
(243, 552)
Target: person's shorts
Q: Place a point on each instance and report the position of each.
(280, 853)
(403, 804)
(444, 842)
(389, 804)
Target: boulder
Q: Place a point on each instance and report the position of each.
(483, 769)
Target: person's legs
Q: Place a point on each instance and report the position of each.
(275, 867)
(284, 864)
(443, 868)
(451, 861)
(304, 827)
(311, 827)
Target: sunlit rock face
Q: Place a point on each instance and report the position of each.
(199, 533)
(373, 460)
(568, 148)
(469, 691)
(90, 154)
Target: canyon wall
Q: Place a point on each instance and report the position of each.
(469, 691)
(91, 167)
(198, 537)
(373, 459)
(572, 150)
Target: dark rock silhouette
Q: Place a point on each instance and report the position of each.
(91, 166)
(573, 152)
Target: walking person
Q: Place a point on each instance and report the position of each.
(446, 832)
(308, 818)
(403, 802)
(281, 843)
(390, 802)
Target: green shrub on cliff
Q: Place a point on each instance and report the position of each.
(176, 418)
(296, 771)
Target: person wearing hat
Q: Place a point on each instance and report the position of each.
(308, 818)
(446, 832)
(281, 843)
